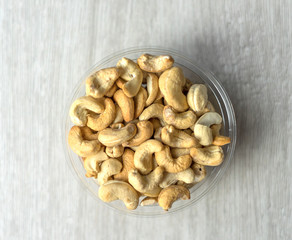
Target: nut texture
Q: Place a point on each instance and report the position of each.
(208, 156)
(197, 97)
(155, 64)
(126, 105)
(128, 164)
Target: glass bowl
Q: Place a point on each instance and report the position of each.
(218, 97)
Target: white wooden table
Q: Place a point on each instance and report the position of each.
(46, 45)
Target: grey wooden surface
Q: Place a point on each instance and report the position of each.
(45, 46)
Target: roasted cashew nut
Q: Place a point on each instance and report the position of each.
(209, 119)
(182, 120)
(126, 105)
(152, 88)
(200, 172)
(197, 97)
(81, 107)
(153, 111)
(128, 164)
(143, 155)
(149, 184)
(172, 193)
(170, 164)
(203, 134)
(139, 102)
(187, 176)
(155, 64)
(108, 168)
(118, 190)
(171, 83)
(115, 152)
(99, 83)
(131, 73)
(221, 140)
(208, 156)
(149, 201)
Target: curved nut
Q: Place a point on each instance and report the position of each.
(81, 107)
(112, 91)
(177, 138)
(187, 176)
(153, 111)
(131, 73)
(172, 193)
(128, 164)
(126, 105)
(209, 119)
(208, 156)
(102, 121)
(152, 88)
(108, 168)
(143, 155)
(139, 102)
(177, 152)
(203, 134)
(221, 140)
(200, 172)
(170, 83)
(81, 146)
(155, 64)
(115, 152)
(149, 184)
(114, 137)
(119, 116)
(144, 132)
(179, 120)
(170, 164)
(99, 83)
(149, 201)
(88, 134)
(91, 165)
(197, 97)
(118, 190)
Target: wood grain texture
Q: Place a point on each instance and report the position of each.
(46, 45)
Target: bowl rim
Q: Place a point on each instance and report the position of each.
(214, 80)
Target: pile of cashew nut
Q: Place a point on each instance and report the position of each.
(143, 129)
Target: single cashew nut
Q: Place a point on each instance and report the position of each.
(149, 201)
(112, 91)
(80, 145)
(203, 134)
(119, 116)
(149, 184)
(114, 137)
(81, 107)
(139, 102)
(126, 105)
(118, 190)
(208, 156)
(209, 119)
(108, 168)
(155, 64)
(177, 152)
(115, 152)
(131, 73)
(171, 83)
(177, 138)
(144, 132)
(128, 164)
(99, 83)
(187, 176)
(197, 97)
(179, 120)
(170, 164)
(152, 88)
(143, 155)
(153, 111)
(200, 172)
(221, 140)
(102, 121)
(172, 193)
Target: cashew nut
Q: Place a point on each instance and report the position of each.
(177, 152)
(179, 120)
(91, 165)
(152, 88)
(187, 176)
(144, 132)
(172, 193)
(155, 64)
(126, 105)
(177, 138)
(81, 107)
(120, 83)
(216, 129)
(149, 201)
(118, 115)
(80, 145)
(203, 134)
(170, 164)
(143, 155)
(200, 172)
(131, 73)
(170, 83)
(112, 91)
(153, 111)
(139, 102)
(209, 119)
(149, 184)
(108, 168)
(102, 121)
(128, 164)
(115, 152)
(88, 134)
(114, 137)
(197, 97)
(118, 190)
(209, 108)
(221, 140)
(99, 83)
(208, 156)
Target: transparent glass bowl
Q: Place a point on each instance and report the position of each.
(218, 97)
